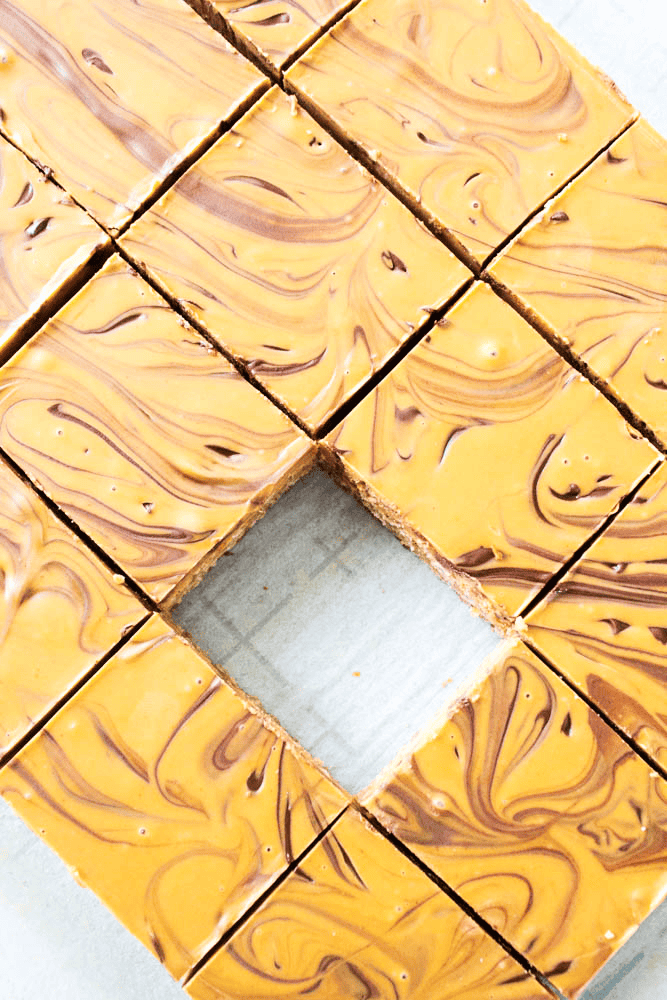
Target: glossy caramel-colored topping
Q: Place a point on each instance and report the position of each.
(483, 442)
(169, 794)
(45, 241)
(605, 625)
(538, 814)
(60, 610)
(276, 29)
(477, 106)
(357, 919)
(143, 433)
(593, 266)
(295, 259)
(113, 95)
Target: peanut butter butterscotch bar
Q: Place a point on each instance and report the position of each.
(144, 434)
(527, 804)
(170, 794)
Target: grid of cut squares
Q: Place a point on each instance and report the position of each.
(224, 483)
(488, 453)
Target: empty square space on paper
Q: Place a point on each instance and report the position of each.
(346, 637)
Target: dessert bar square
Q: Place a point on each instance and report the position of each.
(358, 919)
(170, 794)
(605, 625)
(526, 803)
(593, 267)
(45, 243)
(488, 454)
(477, 107)
(61, 610)
(112, 96)
(296, 260)
(143, 433)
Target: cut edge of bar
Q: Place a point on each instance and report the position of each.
(572, 179)
(190, 159)
(193, 321)
(470, 912)
(374, 167)
(37, 728)
(588, 543)
(68, 289)
(574, 360)
(385, 369)
(629, 741)
(255, 704)
(261, 899)
(103, 557)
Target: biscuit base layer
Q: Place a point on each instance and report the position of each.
(467, 588)
(261, 505)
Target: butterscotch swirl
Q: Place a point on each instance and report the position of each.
(143, 433)
(605, 625)
(45, 241)
(111, 96)
(60, 610)
(357, 919)
(593, 267)
(276, 29)
(484, 444)
(297, 261)
(170, 795)
(478, 107)
(527, 804)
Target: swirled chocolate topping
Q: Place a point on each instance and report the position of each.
(605, 625)
(357, 919)
(593, 266)
(111, 96)
(170, 795)
(277, 28)
(477, 106)
(484, 444)
(45, 240)
(143, 433)
(538, 814)
(60, 610)
(296, 260)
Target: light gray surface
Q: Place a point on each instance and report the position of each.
(348, 638)
(56, 939)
